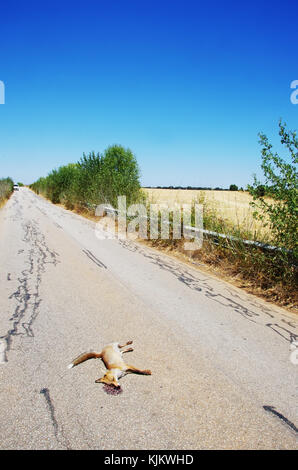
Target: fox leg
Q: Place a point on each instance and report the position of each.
(134, 370)
(126, 344)
(127, 350)
(84, 357)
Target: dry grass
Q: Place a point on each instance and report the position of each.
(232, 207)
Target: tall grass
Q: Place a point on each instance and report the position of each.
(6, 188)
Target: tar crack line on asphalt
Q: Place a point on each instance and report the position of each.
(271, 409)
(27, 294)
(46, 393)
(94, 259)
(232, 301)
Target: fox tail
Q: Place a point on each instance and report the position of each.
(84, 357)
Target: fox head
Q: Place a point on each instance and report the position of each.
(109, 379)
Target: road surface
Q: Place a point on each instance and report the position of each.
(221, 378)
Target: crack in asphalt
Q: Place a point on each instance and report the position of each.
(94, 259)
(27, 294)
(202, 286)
(58, 431)
(272, 409)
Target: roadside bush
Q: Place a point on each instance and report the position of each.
(39, 186)
(58, 185)
(95, 179)
(6, 188)
(120, 175)
(88, 186)
(281, 184)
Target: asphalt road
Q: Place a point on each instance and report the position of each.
(221, 378)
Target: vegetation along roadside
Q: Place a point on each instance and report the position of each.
(272, 274)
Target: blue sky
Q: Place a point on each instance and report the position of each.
(187, 85)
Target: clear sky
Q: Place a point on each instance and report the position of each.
(186, 85)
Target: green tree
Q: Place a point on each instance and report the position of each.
(260, 190)
(233, 187)
(280, 210)
(120, 175)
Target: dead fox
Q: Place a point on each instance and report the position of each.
(111, 356)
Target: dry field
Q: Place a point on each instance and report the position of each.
(231, 206)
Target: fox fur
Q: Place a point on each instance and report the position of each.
(111, 355)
